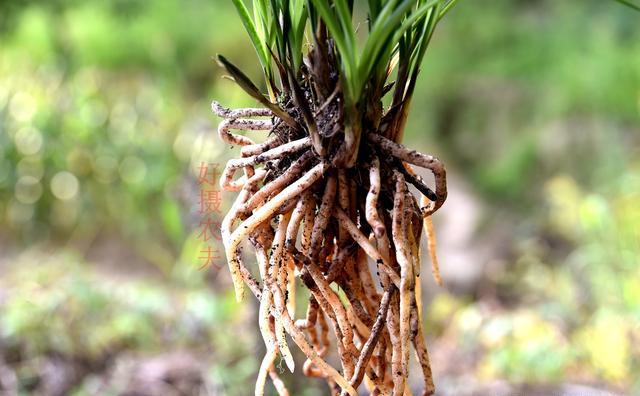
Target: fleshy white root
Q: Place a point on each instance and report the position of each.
(311, 221)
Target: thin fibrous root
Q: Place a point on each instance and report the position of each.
(225, 231)
(422, 354)
(278, 272)
(371, 203)
(376, 330)
(224, 112)
(417, 181)
(338, 309)
(225, 127)
(296, 220)
(322, 218)
(364, 243)
(233, 165)
(416, 158)
(399, 229)
(266, 323)
(259, 148)
(304, 346)
(277, 382)
(432, 245)
(276, 185)
(264, 213)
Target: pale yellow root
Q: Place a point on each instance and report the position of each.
(423, 160)
(276, 185)
(365, 276)
(422, 356)
(262, 214)
(277, 382)
(372, 340)
(364, 243)
(291, 287)
(361, 329)
(324, 334)
(397, 375)
(225, 127)
(238, 270)
(431, 243)
(266, 329)
(399, 230)
(277, 268)
(307, 231)
(371, 203)
(226, 179)
(415, 255)
(304, 346)
(266, 364)
(225, 112)
(341, 315)
(295, 222)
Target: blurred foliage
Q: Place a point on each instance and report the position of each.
(104, 115)
(101, 117)
(577, 315)
(533, 88)
(55, 307)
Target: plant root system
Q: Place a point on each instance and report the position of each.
(347, 231)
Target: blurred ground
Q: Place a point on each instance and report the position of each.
(533, 105)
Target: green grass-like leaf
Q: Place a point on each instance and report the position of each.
(629, 3)
(389, 30)
(400, 28)
(447, 8)
(347, 54)
(250, 88)
(256, 39)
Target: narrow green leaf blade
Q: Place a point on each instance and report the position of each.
(629, 3)
(249, 26)
(249, 87)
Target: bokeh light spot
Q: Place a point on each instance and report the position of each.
(22, 107)
(31, 166)
(132, 170)
(28, 141)
(28, 190)
(19, 213)
(105, 167)
(64, 185)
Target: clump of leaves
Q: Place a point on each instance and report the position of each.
(326, 195)
(320, 195)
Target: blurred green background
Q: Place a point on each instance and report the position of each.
(104, 116)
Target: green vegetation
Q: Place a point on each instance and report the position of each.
(578, 313)
(57, 308)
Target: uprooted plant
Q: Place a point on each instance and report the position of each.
(326, 194)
